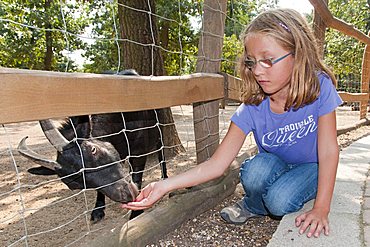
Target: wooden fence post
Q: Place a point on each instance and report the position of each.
(205, 114)
(319, 27)
(365, 78)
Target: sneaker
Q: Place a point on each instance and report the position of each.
(237, 214)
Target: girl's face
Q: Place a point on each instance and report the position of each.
(275, 80)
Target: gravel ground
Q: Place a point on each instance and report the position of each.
(208, 229)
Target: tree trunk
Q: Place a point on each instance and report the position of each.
(164, 34)
(140, 29)
(139, 52)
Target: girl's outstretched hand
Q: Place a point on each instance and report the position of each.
(147, 197)
(315, 221)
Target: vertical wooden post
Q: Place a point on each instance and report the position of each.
(365, 78)
(205, 114)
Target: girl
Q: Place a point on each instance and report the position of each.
(289, 105)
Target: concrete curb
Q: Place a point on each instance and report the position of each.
(347, 216)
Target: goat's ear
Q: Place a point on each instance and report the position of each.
(81, 125)
(41, 170)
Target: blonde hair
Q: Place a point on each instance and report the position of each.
(292, 32)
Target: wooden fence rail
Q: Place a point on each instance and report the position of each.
(33, 95)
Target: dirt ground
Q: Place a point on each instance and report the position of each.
(42, 211)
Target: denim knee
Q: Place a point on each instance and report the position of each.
(292, 190)
(280, 205)
(258, 171)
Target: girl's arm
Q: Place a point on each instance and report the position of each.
(208, 170)
(328, 152)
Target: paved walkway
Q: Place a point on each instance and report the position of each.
(350, 209)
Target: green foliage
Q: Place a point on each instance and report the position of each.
(343, 53)
(24, 25)
(239, 14)
(232, 50)
(179, 34)
(103, 54)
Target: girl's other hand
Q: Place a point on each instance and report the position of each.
(147, 197)
(315, 221)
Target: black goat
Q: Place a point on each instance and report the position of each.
(91, 150)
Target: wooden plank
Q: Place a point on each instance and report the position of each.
(33, 95)
(344, 129)
(353, 97)
(234, 88)
(363, 109)
(319, 28)
(365, 79)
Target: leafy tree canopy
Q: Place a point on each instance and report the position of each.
(23, 29)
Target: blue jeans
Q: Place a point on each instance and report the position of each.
(273, 187)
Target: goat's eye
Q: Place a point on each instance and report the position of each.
(93, 150)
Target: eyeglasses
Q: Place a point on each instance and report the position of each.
(265, 63)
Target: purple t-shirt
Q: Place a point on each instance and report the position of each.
(292, 135)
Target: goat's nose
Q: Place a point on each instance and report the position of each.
(133, 190)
